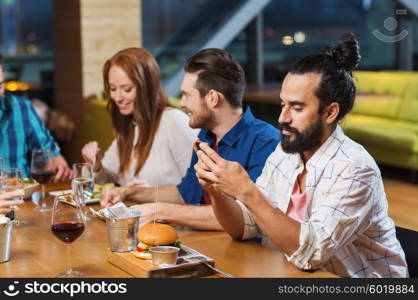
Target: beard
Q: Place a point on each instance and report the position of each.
(304, 140)
(203, 119)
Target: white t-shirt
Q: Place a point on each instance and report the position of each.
(168, 159)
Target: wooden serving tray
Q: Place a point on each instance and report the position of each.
(144, 268)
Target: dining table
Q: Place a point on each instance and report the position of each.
(36, 252)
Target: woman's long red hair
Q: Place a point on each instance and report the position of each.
(151, 100)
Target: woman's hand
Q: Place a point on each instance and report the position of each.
(112, 196)
(92, 154)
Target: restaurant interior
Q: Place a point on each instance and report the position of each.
(54, 53)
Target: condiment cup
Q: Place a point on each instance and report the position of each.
(164, 256)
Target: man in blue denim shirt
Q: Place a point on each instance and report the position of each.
(212, 92)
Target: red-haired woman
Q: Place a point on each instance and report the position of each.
(153, 140)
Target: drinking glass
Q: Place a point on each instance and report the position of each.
(13, 182)
(83, 185)
(67, 225)
(42, 170)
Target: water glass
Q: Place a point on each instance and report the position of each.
(13, 182)
(83, 185)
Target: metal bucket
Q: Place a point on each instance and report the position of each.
(5, 241)
(122, 233)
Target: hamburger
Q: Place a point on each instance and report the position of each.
(154, 234)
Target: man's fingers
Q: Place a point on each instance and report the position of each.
(211, 153)
(202, 165)
(204, 174)
(68, 174)
(203, 182)
(60, 171)
(204, 158)
(147, 212)
(63, 174)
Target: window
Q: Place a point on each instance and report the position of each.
(295, 28)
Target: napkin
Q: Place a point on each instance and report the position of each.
(3, 219)
(120, 211)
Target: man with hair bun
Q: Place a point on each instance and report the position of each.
(320, 198)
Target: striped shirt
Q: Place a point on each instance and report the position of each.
(346, 229)
(22, 131)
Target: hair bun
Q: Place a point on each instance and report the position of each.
(347, 53)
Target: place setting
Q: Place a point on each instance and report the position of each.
(151, 250)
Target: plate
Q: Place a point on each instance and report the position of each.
(65, 192)
(29, 189)
(100, 188)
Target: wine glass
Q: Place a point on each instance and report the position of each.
(83, 185)
(42, 170)
(13, 182)
(67, 225)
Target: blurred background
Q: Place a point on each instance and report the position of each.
(175, 29)
(54, 52)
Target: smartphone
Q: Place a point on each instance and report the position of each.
(196, 145)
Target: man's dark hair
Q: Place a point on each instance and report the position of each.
(1, 60)
(219, 71)
(335, 66)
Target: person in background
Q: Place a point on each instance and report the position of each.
(153, 144)
(212, 91)
(23, 131)
(320, 198)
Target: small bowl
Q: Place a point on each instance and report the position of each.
(164, 256)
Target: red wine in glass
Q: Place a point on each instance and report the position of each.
(42, 170)
(67, 225)
(43, 177)
(67, 232)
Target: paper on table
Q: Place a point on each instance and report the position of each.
(3, 219)
(120, 211)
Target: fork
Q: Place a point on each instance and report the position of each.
(97, 213)
(205, 261)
